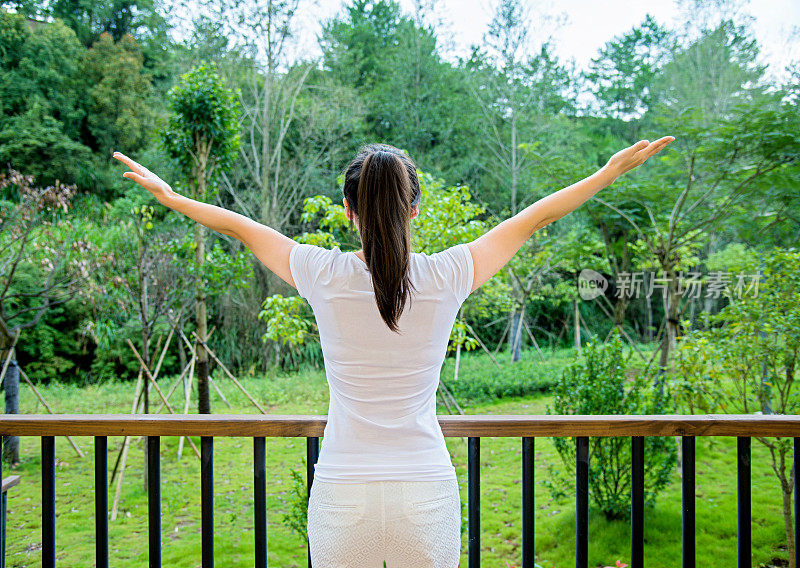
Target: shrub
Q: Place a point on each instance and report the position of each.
(479, 380)
(596, 384)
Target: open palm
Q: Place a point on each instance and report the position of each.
(632, 156)
(144, 177)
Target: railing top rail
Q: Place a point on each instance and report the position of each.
(477, 425)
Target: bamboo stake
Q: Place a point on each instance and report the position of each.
(517, 337)
(155, 374)
(458, 361)
(163, 352)
(227, 372)
(187, 391)
(452, 398)
(478, 339)
(219, 392)
(158, 389)
(444, 399)
(533, 339)
(47, 406)
(178, 381)
(8, 357)
(192, 349)
(123, 455)
(502, 337)
(175, 385)
(134, 410)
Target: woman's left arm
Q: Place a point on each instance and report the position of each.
(270, 246)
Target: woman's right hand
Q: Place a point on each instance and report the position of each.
(147, 179)
(632, 156)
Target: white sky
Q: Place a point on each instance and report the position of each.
(589, 24)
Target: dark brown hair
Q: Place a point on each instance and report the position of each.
(382, 187)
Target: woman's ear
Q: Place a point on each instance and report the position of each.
(347, 212)
(414, 211)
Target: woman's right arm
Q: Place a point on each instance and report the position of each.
(492, 250)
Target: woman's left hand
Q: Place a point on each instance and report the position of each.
(633, 156)
(147, 179)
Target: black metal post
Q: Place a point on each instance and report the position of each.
(637, 501)
(154, 500)
(2, 513)
(11, 388)
(582, 502)
(528, 505)
(207, 500)
(312, 453)
(101, 500)
(260, 489)
(474, 502)
(743, 500)
(687, 501)
(48, 502)
(796, 501)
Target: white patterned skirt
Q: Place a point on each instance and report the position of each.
(404, 524)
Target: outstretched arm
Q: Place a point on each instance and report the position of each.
(492, 250)
(270, 246)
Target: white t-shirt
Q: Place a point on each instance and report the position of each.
(382, 421)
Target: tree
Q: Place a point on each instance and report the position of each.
(356, 46)
(40, 101)
(92, 18)
(42, 264)
(393, 62)
(117, 109)
(519, 96)
(624, 71)
(732, 137)
(202, 135)
(748, 362)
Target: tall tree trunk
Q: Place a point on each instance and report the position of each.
(145, 342)
(515, 334)
(514, 180)
(203, 399)
(649, 316)
(11, 387)
(204, 402)
(146, 359)
(787, 521)
(671, 315)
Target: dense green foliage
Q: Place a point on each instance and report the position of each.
(224, 110)
(490, 132)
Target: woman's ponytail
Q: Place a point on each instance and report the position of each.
(382, 191)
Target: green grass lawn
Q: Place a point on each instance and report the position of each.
(306, 393)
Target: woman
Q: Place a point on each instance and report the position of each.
(384, 488)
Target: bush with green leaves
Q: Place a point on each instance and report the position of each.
(596, 384)
(293, 328)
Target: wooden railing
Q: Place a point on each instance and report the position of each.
(260, 427)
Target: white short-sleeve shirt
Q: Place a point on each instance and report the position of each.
(382, 421)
